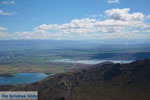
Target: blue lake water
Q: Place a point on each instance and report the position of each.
(91, 61)
(25, 78)
(22, 78)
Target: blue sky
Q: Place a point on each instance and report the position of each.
(74, 19)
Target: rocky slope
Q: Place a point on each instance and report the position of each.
(102, 82)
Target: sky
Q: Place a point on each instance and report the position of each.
(74, 19)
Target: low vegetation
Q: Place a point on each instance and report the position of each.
(98, 82)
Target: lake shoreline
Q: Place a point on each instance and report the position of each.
(22, 78)
(67, 61)
(91, 61)
(11, 75)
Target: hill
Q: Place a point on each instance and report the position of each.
(102, 82)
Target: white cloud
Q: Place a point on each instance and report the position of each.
(91, 15)
(135, 31)
(95, 15)
(7, 2)
(148, 17)
(3, 28)
(119, 24)
(124, 15)
(147, 31)
(113, 1)
(7, 13)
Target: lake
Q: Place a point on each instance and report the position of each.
(22, 78)
(25, 78)
(91, 61)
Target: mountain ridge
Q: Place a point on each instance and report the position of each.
(103, 82)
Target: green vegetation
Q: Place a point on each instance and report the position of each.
(18, 56)
(41, 61)
(98, 82)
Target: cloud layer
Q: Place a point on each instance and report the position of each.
(119, 24)
(3, 28)
(124, 15)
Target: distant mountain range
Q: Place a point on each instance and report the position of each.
(106, 81)
(13, 45)
(123, 56)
